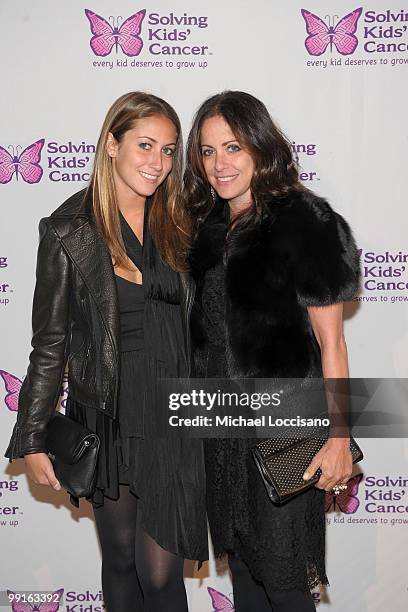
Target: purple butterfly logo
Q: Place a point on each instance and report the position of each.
(220, 602)
(13, 386)
(346, 501)
(24, 606)
(340, 35)
(25, 164)
(107, 35)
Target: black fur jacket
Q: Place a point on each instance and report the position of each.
(301, 253)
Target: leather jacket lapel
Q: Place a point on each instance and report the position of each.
(90, 256)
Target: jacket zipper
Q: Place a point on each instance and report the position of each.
(85, 362)
(88, 347)
(104, 402)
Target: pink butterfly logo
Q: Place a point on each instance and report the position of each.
(106, 36)
(346, 501)
(322, 35)
(25, 606)
(13, 386)
(26, 165)
(220, 602)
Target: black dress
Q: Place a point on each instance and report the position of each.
(166, 474)
(284, 547)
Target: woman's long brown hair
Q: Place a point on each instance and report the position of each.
(169, 224)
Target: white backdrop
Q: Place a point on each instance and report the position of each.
(345, 113)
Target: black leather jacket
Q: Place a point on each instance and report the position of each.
(75, 323)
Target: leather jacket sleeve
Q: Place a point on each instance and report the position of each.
(41, 387)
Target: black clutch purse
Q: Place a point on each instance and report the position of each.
(283, 461)
(73, 451)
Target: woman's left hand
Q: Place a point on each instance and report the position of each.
(335, 461)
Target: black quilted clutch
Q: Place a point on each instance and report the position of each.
(283, 461)
(73, 450)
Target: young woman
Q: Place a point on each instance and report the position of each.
(112, 303)
(273, 263)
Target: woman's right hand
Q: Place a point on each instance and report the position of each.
(40, 470)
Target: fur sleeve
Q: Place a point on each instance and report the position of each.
(327, 267)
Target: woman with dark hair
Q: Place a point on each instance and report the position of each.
(273, 264)
(112, 302)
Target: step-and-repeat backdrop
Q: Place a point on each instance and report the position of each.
(334, 76)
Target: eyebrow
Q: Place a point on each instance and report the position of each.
(223, 144)
(153, 140)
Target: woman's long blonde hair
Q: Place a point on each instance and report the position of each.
(168, 222)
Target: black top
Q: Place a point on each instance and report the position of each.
(131, 306)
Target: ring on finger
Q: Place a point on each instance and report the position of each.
(339, 487)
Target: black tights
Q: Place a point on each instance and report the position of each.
(137, 574)
(250, 595)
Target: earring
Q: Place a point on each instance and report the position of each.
(213, 194)
(110, 145)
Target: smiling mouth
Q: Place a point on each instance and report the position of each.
(226, 179)
(149, 177)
